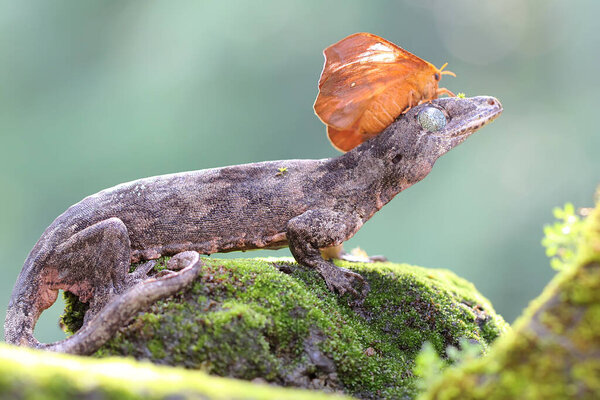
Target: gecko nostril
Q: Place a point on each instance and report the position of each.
(491, 102)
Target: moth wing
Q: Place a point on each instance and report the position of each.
(346, 140)
(364, 73)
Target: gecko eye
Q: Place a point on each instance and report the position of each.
(432, 119)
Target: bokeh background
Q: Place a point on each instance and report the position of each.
(93, 94)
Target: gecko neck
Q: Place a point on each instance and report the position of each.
(369, 178)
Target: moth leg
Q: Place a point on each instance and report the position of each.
(412, 96)
(444, 91)
(317, 229)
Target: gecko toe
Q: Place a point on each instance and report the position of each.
(142, 271)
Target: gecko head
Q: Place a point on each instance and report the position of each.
(413, 143)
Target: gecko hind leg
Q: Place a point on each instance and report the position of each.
(121, 308)
(317, 229)
(93, 264)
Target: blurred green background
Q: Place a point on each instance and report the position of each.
(93, 94)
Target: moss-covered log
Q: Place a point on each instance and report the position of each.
(554, 350)
(37, 375)
(271, 320)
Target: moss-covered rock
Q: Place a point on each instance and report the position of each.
(271, 320)
(554, 350)
(37, 375)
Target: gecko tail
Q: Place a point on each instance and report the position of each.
(27, 302)
(18, 327)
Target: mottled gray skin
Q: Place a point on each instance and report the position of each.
(313, 204)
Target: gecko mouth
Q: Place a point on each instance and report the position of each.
(491, 109)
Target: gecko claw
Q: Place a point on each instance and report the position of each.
(341, 280)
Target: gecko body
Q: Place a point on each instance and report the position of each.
(312, 205)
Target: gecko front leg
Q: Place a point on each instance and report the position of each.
(318, 229)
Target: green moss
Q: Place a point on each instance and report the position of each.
(36, 375)
(72, 318)
(554, 350)
(246, 319)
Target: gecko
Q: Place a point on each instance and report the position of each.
(308, 205)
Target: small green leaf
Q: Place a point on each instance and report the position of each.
(561, 238)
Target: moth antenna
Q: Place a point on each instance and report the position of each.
(442, 72)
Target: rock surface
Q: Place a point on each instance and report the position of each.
(269, 320)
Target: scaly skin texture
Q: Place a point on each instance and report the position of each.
(313, 204)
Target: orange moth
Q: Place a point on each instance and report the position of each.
(366, 83)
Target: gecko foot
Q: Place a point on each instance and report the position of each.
(341, 280)
(175, 265)
(180, 261)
